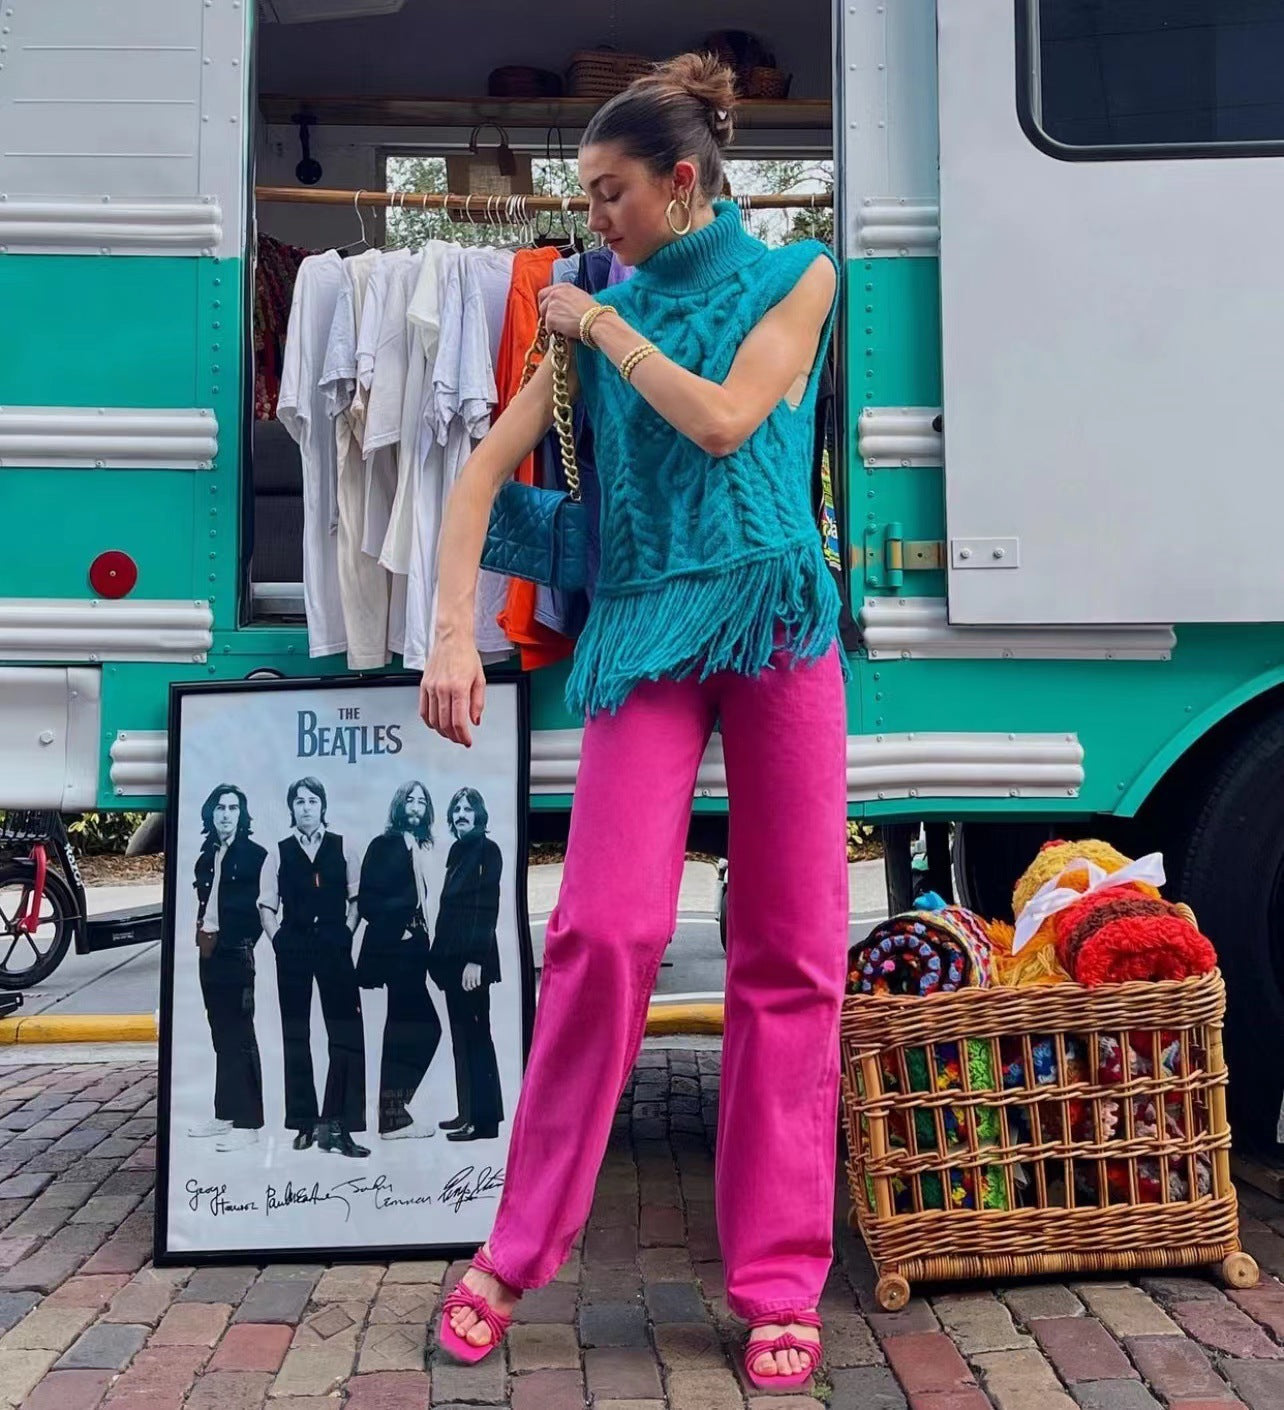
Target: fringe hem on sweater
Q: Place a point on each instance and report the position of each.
(705, 622)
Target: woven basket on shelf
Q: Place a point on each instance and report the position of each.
(602, 73)
(1006, 1100)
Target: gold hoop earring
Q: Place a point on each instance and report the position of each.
(685, 207)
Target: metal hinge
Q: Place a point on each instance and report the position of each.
(887, 556)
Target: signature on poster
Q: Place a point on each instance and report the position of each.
(461, 1188)
(470, 1184)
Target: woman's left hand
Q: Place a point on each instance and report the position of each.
(472, 977)
(561, 306)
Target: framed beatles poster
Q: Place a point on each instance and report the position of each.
(347, 990)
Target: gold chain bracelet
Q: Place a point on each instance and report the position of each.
(639, 354)
(588, 319)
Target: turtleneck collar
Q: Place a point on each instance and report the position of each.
(703, 258)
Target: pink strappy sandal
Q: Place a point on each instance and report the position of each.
(786, 1341)
(463, 1296)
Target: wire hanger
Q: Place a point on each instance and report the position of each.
(342, 250)
(574, 241)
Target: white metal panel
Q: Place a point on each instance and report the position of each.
(225, 114)
(40, 225)
(132, 629)
(888, 138)
(916, 628)
(902, 436)
(1112, 335)
(139, 759)
(882, 766)
(112, 438)
(49, 737)
(897, 225)
(132, 101)
(878, 766)
(84, 724)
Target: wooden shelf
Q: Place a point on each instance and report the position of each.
(808, 114)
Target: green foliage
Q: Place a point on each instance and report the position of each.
(410, 229)
(804, 177)
(103, 832)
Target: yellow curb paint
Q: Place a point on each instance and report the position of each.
(663, 1020)
(667, 1019)
(80, 1028)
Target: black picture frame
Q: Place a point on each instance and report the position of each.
(504, 678)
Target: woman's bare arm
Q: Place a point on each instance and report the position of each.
(452, 691)
(719, 417)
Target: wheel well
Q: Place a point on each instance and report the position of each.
(1168, 813)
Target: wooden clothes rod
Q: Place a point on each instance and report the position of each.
(497, 209)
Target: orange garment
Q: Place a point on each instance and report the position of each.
(532, 271)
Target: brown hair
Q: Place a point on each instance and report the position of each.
(683, 109)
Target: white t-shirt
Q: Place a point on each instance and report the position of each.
(302, 410)
(381, 373)
(458, 400)
(438, 329)
(363, 585)
(395, 553)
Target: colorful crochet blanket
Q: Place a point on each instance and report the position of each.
(970, 1187)
(922, 952)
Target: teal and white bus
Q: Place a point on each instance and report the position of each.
(1061, 336)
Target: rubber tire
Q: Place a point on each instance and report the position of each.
(1228, 875)
(66, 912)
(988, 859)
(898, 870)
(148, 837)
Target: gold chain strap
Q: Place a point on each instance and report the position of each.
(563, 414)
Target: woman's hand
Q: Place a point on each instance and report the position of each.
(561, 306)
(471, 977)
(452, 692)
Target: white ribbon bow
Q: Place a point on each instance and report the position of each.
(1052, 897)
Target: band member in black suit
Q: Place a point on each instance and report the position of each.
(465, 963)
(228, 869)
(394, 953)
(308, 901)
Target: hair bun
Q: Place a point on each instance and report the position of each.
(711, 83)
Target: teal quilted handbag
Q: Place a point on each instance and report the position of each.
(537, 534)
(540, 535)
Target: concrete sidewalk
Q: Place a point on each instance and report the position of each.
(636, 1320)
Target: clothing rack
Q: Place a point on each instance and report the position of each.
(508, 210)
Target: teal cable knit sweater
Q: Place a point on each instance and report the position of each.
(701, 556)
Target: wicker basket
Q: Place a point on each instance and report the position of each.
(602, 73)
(1069, 1173)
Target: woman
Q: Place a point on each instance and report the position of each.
(713, 602)
(393, 900)
(465, 963)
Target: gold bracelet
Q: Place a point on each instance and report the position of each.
(639, 354)
(588, 319)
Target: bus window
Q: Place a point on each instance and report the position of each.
(1162, 78)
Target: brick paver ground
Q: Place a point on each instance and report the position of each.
(637, 1320)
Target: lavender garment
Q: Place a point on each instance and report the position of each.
(619, 272)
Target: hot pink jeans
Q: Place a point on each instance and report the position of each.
(784, 737)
